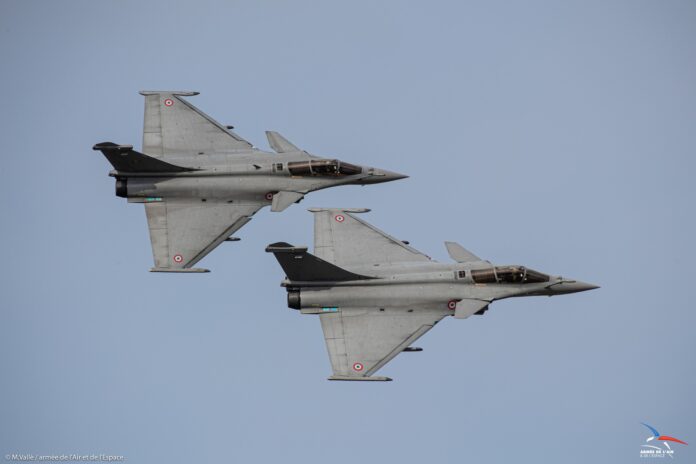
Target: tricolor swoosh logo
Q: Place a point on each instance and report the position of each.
(663, 438)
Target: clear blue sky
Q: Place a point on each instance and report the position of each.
(558, 135)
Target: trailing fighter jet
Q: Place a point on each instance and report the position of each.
(200, 182)
(375, 295)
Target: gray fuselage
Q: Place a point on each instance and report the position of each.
(255, 176)
(424, 285)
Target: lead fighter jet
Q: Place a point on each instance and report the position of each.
(200, 182)
(375, 295)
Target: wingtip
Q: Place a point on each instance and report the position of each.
(340, 210)
(350, 378)
(183, 93)
(185, 270)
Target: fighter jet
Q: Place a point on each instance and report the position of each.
(375, 295)
(200, 182)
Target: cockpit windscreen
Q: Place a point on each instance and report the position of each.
(508, 275)
(333, 168)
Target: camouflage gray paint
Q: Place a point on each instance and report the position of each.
(200, 182)
(375, 295)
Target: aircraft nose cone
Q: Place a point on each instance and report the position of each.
(579, 286)
(572, 286)
(391, 175)
(377, 176)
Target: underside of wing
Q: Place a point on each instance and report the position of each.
(173, 126)
(183, 231)
(362, 340)
(343, 239)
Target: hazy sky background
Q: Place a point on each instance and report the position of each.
(558, 135)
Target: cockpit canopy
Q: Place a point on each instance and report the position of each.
(323, 167)
(508, 275)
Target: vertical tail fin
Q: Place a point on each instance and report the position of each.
(124, 159)
(305, 267)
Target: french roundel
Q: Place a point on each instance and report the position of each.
(452, 304)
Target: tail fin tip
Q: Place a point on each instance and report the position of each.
(284, 247)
